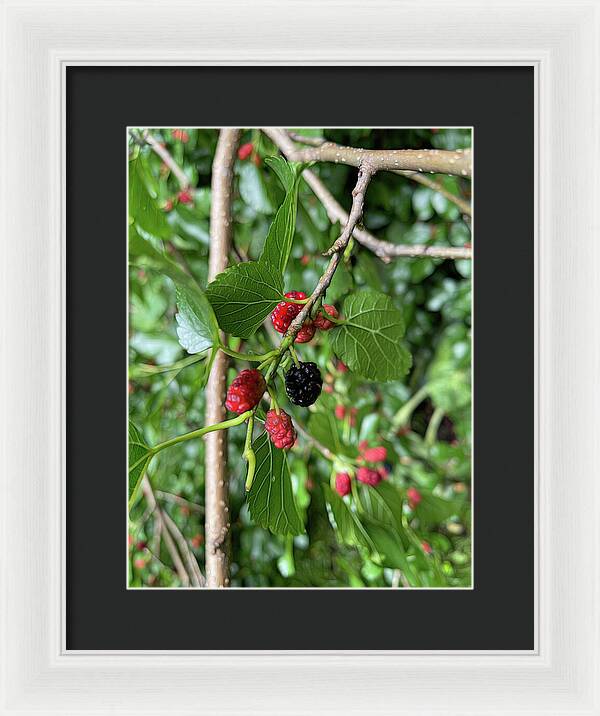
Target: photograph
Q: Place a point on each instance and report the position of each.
(299, 358)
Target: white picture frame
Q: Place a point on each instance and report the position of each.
(560, 40)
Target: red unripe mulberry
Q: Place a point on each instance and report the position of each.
(368, 476)
(375, 454)
(245, 150)
(306, 333)
(245, 391)
(186, 196)
(181, 135)
(280, 429)
(414, 497)
(323, 323)
(426, 547)
(342, 483)
(284, 312)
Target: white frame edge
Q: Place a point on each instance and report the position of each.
(560, 39)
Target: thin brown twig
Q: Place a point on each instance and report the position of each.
(217, 524)
(178, 500)
(358, 202)
(197, 578)
(384, 250)
(182, 573)
(157, 532)
(304, 139)
(463, 206)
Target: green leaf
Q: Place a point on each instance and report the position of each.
(383, 503)
(139, 458)
(369, 340)
(142, 206)
(198, 329)
(389, 545)
(270, 500)
(287, 172)
(195, 324)
(252, 188)
(433, 510)
(244, 295)
(278, 243)
(323, 426)
(347, 524)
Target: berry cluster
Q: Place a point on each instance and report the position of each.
(285, 312)
(371, 474)
(303, 381)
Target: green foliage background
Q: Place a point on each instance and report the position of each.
(434, 297)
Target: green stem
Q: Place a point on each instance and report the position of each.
(402, 417)
(337, 321)
(259, 358)
(356, 496)
(299, 301)
(265, 363)
(283, 347)
(274, 403)
(434, 424)
(249, 454)
(294, 355)
(203, 431)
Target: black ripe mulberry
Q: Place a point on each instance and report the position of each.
(303, 384)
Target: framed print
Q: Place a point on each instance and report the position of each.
(289, 546)
(342, 303)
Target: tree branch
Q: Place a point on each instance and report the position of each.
(435, 161)
(216, 501)
(464, 206)
(384, 250)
